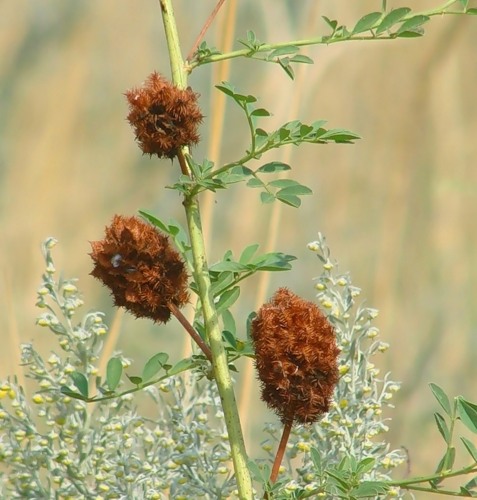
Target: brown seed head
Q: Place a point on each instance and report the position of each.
(141, 268)
(296, 357)
(163, 116)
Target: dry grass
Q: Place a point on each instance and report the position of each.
(398, 208)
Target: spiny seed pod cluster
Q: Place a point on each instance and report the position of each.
(140, 267)
(296, 357)
(164, 117)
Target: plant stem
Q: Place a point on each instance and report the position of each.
(183, 163)
(408, 483)
(179, 76)
(280, 452)
(204, 29)
(202, 278)
(190, 330)
(219, 355)
(321, 40)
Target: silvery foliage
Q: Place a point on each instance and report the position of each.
(55, 446)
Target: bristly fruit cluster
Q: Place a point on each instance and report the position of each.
(139, 265)
(164, 117)
(296, 357)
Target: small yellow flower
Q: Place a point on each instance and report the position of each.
(38, 399)
(303, 446)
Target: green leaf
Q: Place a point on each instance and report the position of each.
(347, 463)
(447, 461)
(251, 37)
(411, 34)
(441, 397)
(339, 135)
(368, 489)
(227, 299)
(226, 88)
(195, 168)
(283, 51)
(283, 133)
(472, 12)
(292, 189)
(300, 58)
(273, 166)
(471, 448)
(305, 130)
(134, 380)
(266, 197)
(221, 281)
(252, 42)
(246, 99)
(470, 485)
(285, 65)
(155, 221)
(230, 339)
(468, 413)
(289, 199)
(316, 459)
(247, 253)
(105, 392)
(229, 322)
(234, 175)
(254, 183)
(339, 477)
(182, 366)
(332, 23)
(241, 170)
(273, 261)
(366, 22)
(412, 24)
(260, 112)
(114, 371)
(365, 465)
(465, 492)
(226, 265)
(229, 90)
(283, 183)
(68, 392)
(154, 365)
(392, 18)
(442, 426)
(173, 229)
(81, 383)
(259, 473)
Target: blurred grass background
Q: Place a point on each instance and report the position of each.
(398, 208)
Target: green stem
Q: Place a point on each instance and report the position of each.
(413, 483)
(451, 493)
(322, 40)
(407, 483)
(202, 278)
(179, 75)
(219, 355)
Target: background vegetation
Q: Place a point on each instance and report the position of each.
(398, 208)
